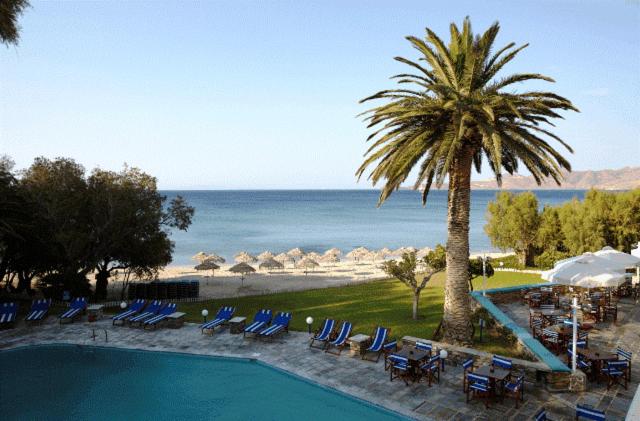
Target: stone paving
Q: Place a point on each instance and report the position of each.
(625, 333)
(365, 380)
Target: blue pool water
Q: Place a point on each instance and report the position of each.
(72, 382)
(228, 221)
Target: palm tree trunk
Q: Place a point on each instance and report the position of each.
(457, 315)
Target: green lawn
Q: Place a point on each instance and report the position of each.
(366, 305)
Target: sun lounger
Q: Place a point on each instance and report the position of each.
(134, 308)
(8, 313)
(164, 312)
(149, 312)
(260, 321)
(223, 316)
(323, 335)
(340, 341)
(379, 339)
(39, 310)
(280, 325)
(76, 307)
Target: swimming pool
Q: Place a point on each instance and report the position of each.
(70, 381)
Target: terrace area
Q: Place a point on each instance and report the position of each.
(363, 379)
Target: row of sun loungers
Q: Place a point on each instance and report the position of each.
(39, 311)
(263, 324)
(148, 318)
(334, 340)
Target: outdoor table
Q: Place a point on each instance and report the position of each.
(597, 357)
(415, 356)
(175, 320)
(236, 325)
(550, 314)
(565, 333)
(358, 343)
(95, 312)
(497, 377)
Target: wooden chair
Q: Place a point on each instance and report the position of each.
(625, 356)
(399, 368)
(515, 389)
(387, 350)
(480, 387)
(467, 366)
(616, 373)
(431, 369)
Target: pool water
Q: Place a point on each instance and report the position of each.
(69, 381)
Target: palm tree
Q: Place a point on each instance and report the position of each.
(9, 12)
(455, 113)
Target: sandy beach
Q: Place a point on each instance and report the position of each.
(225, 284)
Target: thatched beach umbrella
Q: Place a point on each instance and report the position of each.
(214, 258)
(199, 256)
(334, 251)
(424, 251)
(243, 269)
(313, 255)
(271, 264)
(283, 258)
(244, 257)
(295, 253)
(307, 263)
(357, 253)
(329, 258)
(385, 251)
(207, 265)
(377, 255)
(265, 255)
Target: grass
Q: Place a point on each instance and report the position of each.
(385, 302)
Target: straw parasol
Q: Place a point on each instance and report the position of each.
(207, 265)
(265, 255)
(283, 258)
(244, 257)
(271, 264)
(295, 253)
(410, 249)
(334, 251)
(329, 258)
(243, 269)
(214, 258)
(377, 255)
(200, 256)
(385, 251)
(313, 255)
(307, 263)
(357, 253)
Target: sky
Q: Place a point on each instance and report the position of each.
(264, 94)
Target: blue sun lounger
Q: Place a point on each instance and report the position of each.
(280, 324)
(260, 321)
(379, 339)
(223, 316)
(324, 334)
(134, 308)
(149, 312)
(39, 310)
(76, 307)
(341, 340)
(165, 312)
(8, 313)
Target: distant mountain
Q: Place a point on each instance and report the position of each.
(622, 179)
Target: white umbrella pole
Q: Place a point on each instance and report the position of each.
(575, 334)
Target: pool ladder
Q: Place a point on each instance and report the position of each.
(106, 336)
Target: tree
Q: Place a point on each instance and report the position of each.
(10, 10)
(457, 114)
(130, 223)
(512, 223)
(476, 269)
(405, 272)
(550, 236)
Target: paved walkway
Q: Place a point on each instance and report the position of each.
(351, 375)
(625, 333)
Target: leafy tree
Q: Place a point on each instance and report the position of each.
(129, 223)
(454, 112)
(10, 10)
(550, 235)
(476, 269)
(512, 223)
(405, 272)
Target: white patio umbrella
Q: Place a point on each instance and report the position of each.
(244, 257)
(636, 251)
(618, 259)
(265, 255)
(586, 271)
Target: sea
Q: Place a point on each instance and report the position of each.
(229, 221)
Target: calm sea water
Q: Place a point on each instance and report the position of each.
(227, 222)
